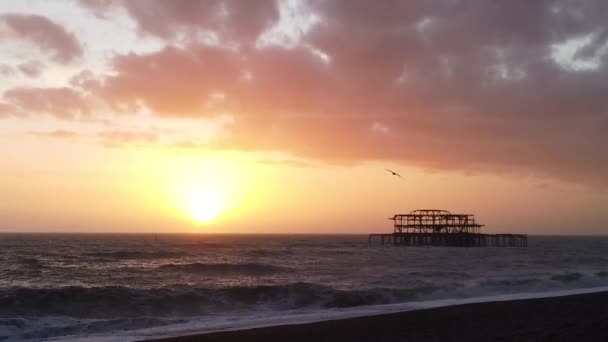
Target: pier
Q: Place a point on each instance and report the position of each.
(433, 227)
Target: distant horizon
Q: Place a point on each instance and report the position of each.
(255, 234)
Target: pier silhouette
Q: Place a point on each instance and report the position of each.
(434, 227)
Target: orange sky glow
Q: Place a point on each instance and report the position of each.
(281, 117)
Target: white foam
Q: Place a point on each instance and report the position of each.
(265, 319)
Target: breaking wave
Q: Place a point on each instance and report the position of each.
(120, 301)
(185, 301)
(567, 277)
(44, 328)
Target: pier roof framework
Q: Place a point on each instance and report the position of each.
(435, 221)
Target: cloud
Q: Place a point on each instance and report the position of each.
(120, 138)
(287, 162)
(233, 20)
(60, 102)
(172, 82)
(42, 32)
(31, 69)
(59, 134)
(6, 70)
(471, 85)
(7, 109)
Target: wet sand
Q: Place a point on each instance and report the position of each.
(582, 317)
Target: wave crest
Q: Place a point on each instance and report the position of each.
(117, 301)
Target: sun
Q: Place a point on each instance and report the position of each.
(205, 205)
(201, 189)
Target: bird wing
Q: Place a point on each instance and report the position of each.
(395, 173)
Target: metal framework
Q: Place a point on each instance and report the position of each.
(435, 221)
(434, 227)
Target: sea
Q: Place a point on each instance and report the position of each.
(121, 287)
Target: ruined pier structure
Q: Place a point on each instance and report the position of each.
(432, 227)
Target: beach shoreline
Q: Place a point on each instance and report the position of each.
(581, 317)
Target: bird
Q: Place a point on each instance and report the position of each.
(395, 174)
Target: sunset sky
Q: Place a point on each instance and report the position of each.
(281, 117)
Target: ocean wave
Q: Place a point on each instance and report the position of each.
(224, 268)
(567, 277)
(538, 282)
(204, 245)
(21, 268)
(186, 301)
(509, 282)
(339, 252)
(441, 274)
(546, 281)
(99, 302)
(31, 263)
(309, 244)
(49, 327)
(269, 252)
(125, 255)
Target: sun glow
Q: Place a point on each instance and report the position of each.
(201, 189)
(205, 204)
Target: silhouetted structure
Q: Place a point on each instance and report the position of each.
(433, 227)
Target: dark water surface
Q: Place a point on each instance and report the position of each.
(54, 285)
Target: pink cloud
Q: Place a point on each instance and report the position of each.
(7, 109)
(454, 85)
(42, 32)
(31, 69)
(117, 138)
(239, 21)
(6, 70)
(60, 102)
(59, 134)
(172, 82)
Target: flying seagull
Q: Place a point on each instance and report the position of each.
(395, 174)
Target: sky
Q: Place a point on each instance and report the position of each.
(281, 116)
